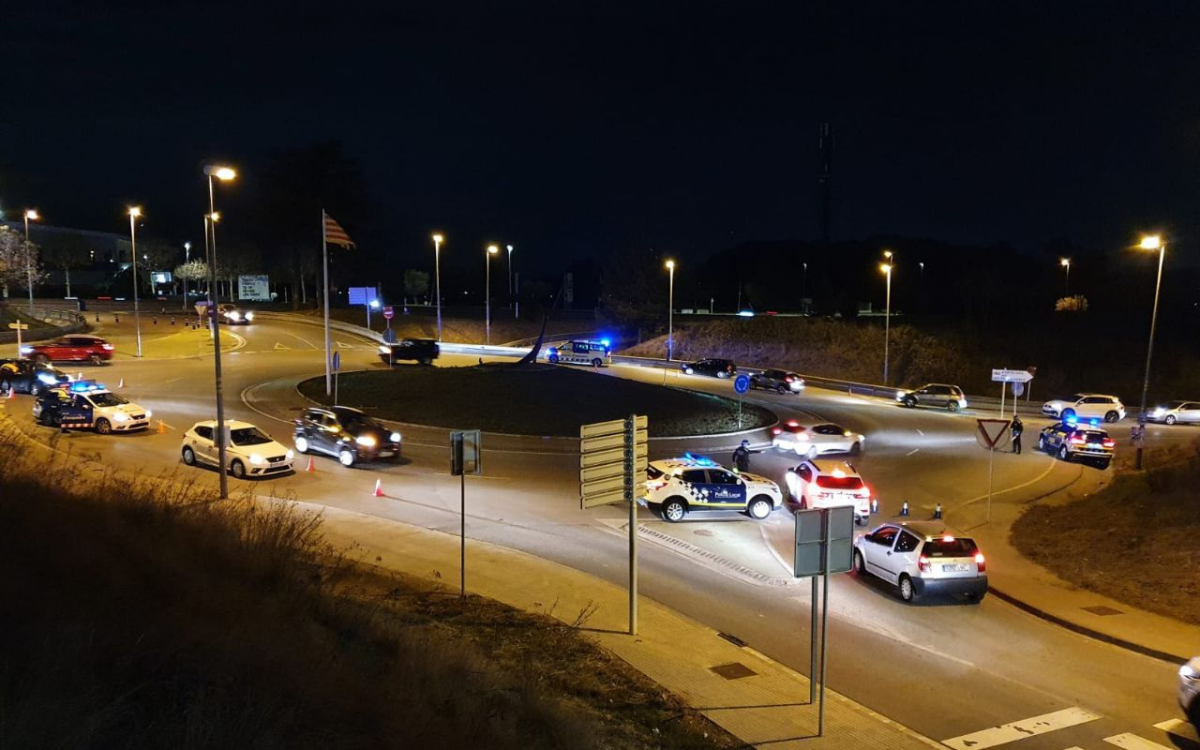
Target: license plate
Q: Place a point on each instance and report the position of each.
(955, 568)
(386, 454)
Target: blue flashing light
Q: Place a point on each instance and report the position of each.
(606, 343)
(699, 460)
(84, 386)
(1094, 422)
(1072, 420)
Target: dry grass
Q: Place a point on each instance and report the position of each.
(1134, 541)
(139, 614)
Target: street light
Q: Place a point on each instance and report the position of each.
(224, 174)
(30, 214)
(487, 291)
(1066, 264)
(510, 277)
(1151, 242)
(134, 213)
(887, 318)
(187, 258)
(671, 310)
(437, 275)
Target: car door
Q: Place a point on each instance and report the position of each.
(876, 547)
(804, 475)
(202, 445)
(329, 433)
(903, 556)
(829, 438)
(310, 425)
(696, 483)
(727, 490)
(1190, 412)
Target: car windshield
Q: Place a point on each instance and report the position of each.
(1174, 404)
(248, 436)
(840, 483)
(950, 547)
(357, 421)
(107, 399)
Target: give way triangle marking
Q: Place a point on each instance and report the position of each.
(344, 345)
(992, 430)
(281, 346)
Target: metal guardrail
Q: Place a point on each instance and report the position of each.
(47, 322)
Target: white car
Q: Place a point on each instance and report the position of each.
(249, 452)
(1085, 406)
(110, 412)
(923, 557)
(827, 484)
(678, 486)
(1184, 412)
(1189, 691)
(816, 440)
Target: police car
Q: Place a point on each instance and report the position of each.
(596, 353)
(1071, 439)
(106, 411)
(678, 486)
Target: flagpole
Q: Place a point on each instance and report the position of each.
(325, 264)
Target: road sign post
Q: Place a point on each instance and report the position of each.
(336, 365)
(991, 433)
(741, 384)
(612, 455)
(1010, 376)
(18, 327)
(464, 459)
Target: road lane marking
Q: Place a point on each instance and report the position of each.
(1023, 485)
(914, 450)
(920, 433)
(1169, 726)
(1019, 730)
(344, 345)
(281, 346)
(1133, 742)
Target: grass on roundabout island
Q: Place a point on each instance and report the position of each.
(532, 400)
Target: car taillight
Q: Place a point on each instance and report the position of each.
(923, 564)
(107, 347)
(1077, 441)
(1109, 443)
(656, 484)
(788, 379)
(980, 562)
(776, 431)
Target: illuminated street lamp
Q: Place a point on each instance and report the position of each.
(1066, 264)
(135, 212)
(510, 278)
(671, 310)
(224, 174)
(886, 268)
(487, 292)
(1151, 242)
(437, 275)
(187, 258)
(30, 215)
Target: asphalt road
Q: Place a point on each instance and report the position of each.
(944, 669)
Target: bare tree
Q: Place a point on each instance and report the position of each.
(18, 259)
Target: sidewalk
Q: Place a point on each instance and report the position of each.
(1025, 584)
(759, 701)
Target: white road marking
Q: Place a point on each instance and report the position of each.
(920, 433)
(281, 346)
(1035, 480)
(914, 450)
(1019, 730)
(344, 345)
(1133, 742)
(1169, 726)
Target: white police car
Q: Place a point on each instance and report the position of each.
(109, 412)
(596, 353)
(678, 486)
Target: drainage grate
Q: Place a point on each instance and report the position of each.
(1103, 611)
(734, 671)
(733, 639)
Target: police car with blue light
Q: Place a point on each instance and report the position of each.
(679, 486)
(592, 352)
(1074, 439)
(87, 404)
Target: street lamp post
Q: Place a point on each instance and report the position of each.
(187, 258)
(487, 292)
(134, 213)
(1151, 242)
(887, 317)
(29, 214)
(224, 174)
(1066, 264)
(671, 310)
(510, 278)
(437, 276)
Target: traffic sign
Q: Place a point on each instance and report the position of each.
(1011, 376)
(991, 433)
(741, 383)
(615, 427)
(337, 361)
(388, 312)
(19, 326)
(1018, 389)
(612, 457)
(824, 535)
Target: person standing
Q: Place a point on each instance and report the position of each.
(1017, 428)
(741, 456)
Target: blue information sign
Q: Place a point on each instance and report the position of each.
(337, 361)
(741, 383)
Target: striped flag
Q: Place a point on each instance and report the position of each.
(335, 234)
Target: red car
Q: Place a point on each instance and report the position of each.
(73, 348)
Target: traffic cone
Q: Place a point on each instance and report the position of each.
(937, 511)
(162, 427)
(12, 393)
(121, 384)
(904, 509)
(312, 466)
(875, 505)
(378, 488)
(78, 376)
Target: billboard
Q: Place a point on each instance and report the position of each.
(254, 288)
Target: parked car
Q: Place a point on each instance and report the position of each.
(816, 440)
(679, 486)
(347, 434)
(414, 350)
(780, 381)
(27, 376)
(827, 484)
(73, 348)
(1071, 440)
(1189, 691)
(717, 368)
(1085, 406)
(923, 558)
(249, 452)
(1172, 412)
(940, 395)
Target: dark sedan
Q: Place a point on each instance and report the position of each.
(346, 434)
(780, 381)
(717, 368)
(27, 376)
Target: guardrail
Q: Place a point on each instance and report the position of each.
(47, 322)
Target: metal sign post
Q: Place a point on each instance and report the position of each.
(18, 327)
(990, 434)
(464, 459)
(336, 364)
(612, 458)
(741, 384)
(1010, 376)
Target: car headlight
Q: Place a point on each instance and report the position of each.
(26, 349)
(366, 440)
(395, 437)
(234, 316)
(149, 414)
(255, 458)
(1187, 672)
(249, 316)
(899, 395)
(384, 350)
(120, 416)
(289, 454)
(1159, 411)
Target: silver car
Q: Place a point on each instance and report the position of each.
(1184, 412)
(941, 395)
(1189, 691)
(816, 440)
(923, 558)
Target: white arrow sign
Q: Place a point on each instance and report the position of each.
(1011, 376)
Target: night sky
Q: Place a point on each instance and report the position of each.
(570, 128)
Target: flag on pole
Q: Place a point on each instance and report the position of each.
(335, 234)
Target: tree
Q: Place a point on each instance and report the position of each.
(17, 257)
(154, 255)
(67, 252)
(416, 283)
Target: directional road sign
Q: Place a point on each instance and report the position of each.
(1011, 376)
(19, 326)
(337, 361)
(612, 460)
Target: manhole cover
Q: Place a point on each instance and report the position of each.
(734, 671)
(1103, 611)
(702, 532)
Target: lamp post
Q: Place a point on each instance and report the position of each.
(670, 310)
(29, 214)
(187, 258)
(487, 292)
(437, 276)
(510, 277)
(134, 213)
(1066, 264)
(224, 174)
(887, 317)
(1151, 242)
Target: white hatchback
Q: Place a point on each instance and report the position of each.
(249, 452)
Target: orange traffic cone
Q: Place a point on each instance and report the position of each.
(162, 427)
(378, 488)
(312, 467)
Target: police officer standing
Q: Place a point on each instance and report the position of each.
(1017, 428)
(741, 456)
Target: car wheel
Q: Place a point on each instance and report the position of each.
(1064, 454)
(1111, 416)
(760, 507)
(952, 405)
(780, 390)
(95, 359)
(975, 597)
(346, 457)
(1042, 444)
(1067, 414)
(301, 444)
(722, 375)
(1170, 419)
(674, 509)
(908, 592)
(103, 426)
(860, 565)
(596, 362)
(5, 386)
(910, 402)
(427, 361)
(237, 469)
(688, 371)
(189, 457)
(34, 389)
(1102, 465)
(856, 448)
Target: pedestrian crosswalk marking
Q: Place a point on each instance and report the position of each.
(1133, 742)
(1170, 725)
(1019, 730)
(281, 346)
